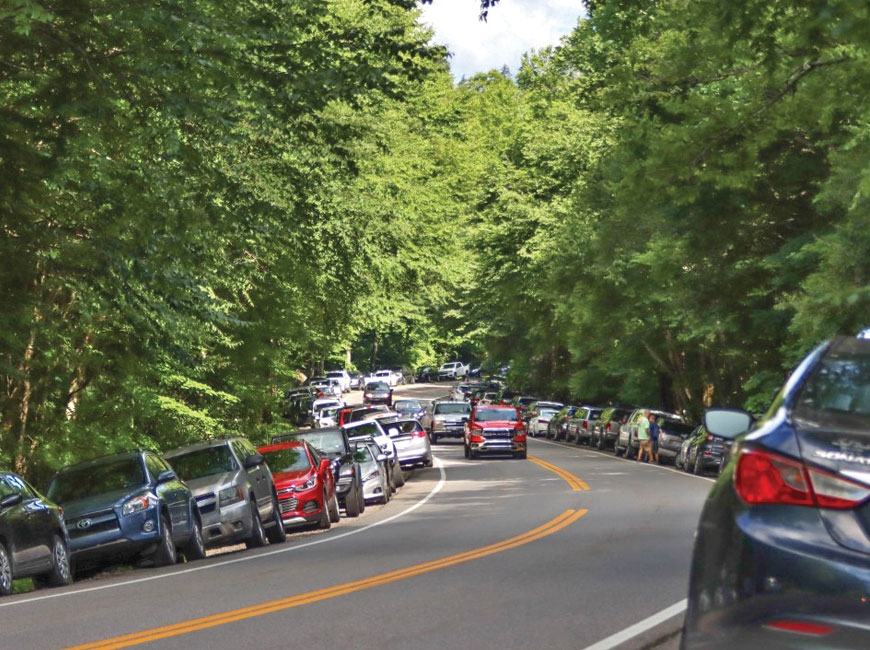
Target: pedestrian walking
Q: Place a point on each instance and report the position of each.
(643, 440)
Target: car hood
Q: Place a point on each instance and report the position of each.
(210, 483)
(79, 507)
(286, 479)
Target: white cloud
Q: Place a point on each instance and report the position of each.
(512, 28)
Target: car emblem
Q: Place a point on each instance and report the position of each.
(84, 524)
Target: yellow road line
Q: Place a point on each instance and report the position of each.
(576, 484)
(562, 521)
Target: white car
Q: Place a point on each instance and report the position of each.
(452, 370)
(363, 430)
(329, 387)
(343, 378)
(388, 376)
(542, 413)
(324, 411)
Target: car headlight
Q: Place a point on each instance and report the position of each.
(230, 494)
(373, 474)
(136, 504)
(310, 483)
(346, 471)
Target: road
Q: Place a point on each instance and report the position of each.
(572, 548)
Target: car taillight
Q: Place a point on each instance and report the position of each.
(765, 478)
(419, 434)
(608, 426)
(585, 424)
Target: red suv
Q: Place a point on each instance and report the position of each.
(495, 430)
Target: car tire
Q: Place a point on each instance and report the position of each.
(362, 498)
(428, 462)
(399, 476)
(276, 532)
(61, 572)
(696, 466)
(687, 466)
(195, 548)
(334, 514)
(5, 572)
(351, 502)
(466, 450)
(257, 538)
(165, 554)
(324, 523)
(433, 439)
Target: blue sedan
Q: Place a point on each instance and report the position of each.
(782, 554)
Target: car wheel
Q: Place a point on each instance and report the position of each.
(399, 476)
(258, 534)
(5, 572)
(619, 451)
(433, 439)
(599, 444)
(195, 548)
(276, 532)
(61, 573)
(351, 502)
(334, 514)
(325, 523)
(696, 466)
(687, 466)
(428, 462)
(465, 449)
(362, 498)
(165, 554)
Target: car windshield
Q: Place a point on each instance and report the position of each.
(459, 407)
(491, 415)
(839, 384)
(291, 459)
(407, 405)
(91, 480)
(377, 386)
(204, 462)
(363, 455)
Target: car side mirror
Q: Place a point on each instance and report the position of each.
(324, 463)
(11, 500)
(381, 458)
(253, 460)
(727, 423)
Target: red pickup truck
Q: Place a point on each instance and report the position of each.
(495, 430)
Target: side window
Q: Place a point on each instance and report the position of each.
(239, 450)
(5, 488)
(315, 457)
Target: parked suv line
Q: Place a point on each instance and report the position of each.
(234, 490)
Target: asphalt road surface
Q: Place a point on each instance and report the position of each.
(572, 548)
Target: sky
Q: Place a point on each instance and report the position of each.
(513, 27)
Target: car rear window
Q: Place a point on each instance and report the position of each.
(452, 408)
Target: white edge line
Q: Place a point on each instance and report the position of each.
(639, 628)
(246, 558)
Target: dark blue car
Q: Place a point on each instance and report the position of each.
(782, 554)
(129, 506)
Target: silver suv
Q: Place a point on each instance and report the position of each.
(234, 490)
(446, 419)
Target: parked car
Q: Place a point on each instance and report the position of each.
(371, 429)
(452, 370)
(782, 548)
(373, 465)
(540, 414)
(297, 404)
(305, 484)
(378, 392)
(425, 375)
(342, 377)
(409, 407)
(34, 542)
(579, 427)
(127, 506)
(605, 431)
(495, 430)
(356, 381)
(704, 452)
(234, 491)
(626, 443)
(324, 411)
(672, 433)
(332, 443)
(522, 402)
(390, 377)
(557, 427)
(445, 419)
(329, 387)
(411, 441)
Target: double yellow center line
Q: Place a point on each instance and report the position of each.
(562, 521)
(576, 484)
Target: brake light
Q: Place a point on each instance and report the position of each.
(608, 426)
(585, 424)
(765, 478)
(419, 434)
